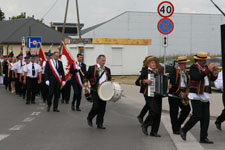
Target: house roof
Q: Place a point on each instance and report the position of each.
(12, 31)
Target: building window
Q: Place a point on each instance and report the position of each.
(117, 57)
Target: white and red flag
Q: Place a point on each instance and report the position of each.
(42, 56)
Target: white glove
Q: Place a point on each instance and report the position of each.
(64, 83)
(3, 75)
(78, 68)
(47, 83)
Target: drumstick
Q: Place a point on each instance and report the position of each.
(72, 58)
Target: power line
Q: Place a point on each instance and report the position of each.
(49, 9)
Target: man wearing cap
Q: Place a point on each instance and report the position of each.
(24, 87)
(55, 79)
(200, 77)
(31, 72)
(18, 74)
(44, 89)
(154, 103)
(179, 79)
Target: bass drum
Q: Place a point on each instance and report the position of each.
(110, 91)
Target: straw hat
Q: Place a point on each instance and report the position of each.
(148, 60)
(182, 60)
(202, 56)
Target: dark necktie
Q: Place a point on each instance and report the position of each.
(33, 70)
(21, 63)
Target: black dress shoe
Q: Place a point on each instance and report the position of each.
(27, 103)
(67, 102)
(48, 109)
(144, 129)
(78, 109)
(183, 135)
(33, 103)
(176, 132)
(101, 127)
(140, 120)
(72, 108)
(218, 126)
(56, 110)
(90, 122)
(206, 141)
(155, 135)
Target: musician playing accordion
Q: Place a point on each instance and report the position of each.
(180, 81)
(154, 103)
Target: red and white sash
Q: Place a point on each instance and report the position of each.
(55, 72)
(77, 76)
(9, 63)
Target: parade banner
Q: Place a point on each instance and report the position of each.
(42, 56)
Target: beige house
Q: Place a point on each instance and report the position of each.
(13, 31)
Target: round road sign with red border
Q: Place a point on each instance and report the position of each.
(165, 9)
(165, 26)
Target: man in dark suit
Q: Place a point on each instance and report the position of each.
(96, 75)
(55, 79)
(77, 71)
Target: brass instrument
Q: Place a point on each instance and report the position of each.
(185, 101)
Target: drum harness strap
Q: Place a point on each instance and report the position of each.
(99, 78)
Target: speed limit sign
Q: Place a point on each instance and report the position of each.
(165, 9)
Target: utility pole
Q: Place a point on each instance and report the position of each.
(64, 24)
(78, 21)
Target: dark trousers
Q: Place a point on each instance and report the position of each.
(54, 90)
(7, 83)
(24, 90)
(76, 95)
(221, 118)
(44, 89)
(176, 120)
(31, 89)
(66, 92)
(154, 116)
(200, 112)
(144, 110)
(98, 108)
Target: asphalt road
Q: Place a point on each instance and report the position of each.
(30, 127)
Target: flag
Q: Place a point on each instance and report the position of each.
(67, 60)
(42, 56)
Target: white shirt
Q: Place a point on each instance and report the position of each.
(18, 66)
(43, 67)
(13, 66)
(219, 81)
(103, 78)
(28, 70)
(202, 97)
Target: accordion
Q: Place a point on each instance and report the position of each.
(159, 86)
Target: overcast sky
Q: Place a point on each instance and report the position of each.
(96, 11)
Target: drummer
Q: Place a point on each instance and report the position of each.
(96, 75)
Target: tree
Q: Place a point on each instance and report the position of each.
(22, 15)
(2, 15)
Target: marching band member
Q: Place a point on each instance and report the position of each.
(200, 77)
(96, 75)
(76, 80)
(179, 79)
(154, 103)
(24, 87)
(11, 75)
(221, 117)
(5, 72)
(55, 79)
(44, 89)
(31, 72)
(18, 73)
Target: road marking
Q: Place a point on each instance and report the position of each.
(35, 113)
(191, 144)
(40, 108)
(3, 136)
(16, 127)
(28, 119)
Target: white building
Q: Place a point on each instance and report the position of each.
(192, 33)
